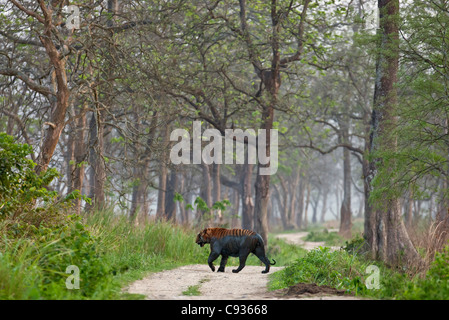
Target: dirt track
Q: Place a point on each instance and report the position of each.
(249, 284)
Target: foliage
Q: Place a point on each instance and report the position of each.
(329, 238)
(108, 250)
(347, 269)
(41, 264)
(25, 201)
(420, 162)
(434, 285)
(322, 266)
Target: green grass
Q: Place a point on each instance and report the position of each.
(192, 291)
(329, 238)
(347, 270)
(195, 289)
(109, 251)
(135, 251)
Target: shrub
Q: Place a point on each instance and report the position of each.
(39, 240)
(330, 238)
(25, 202)
(40, 264)
(435, 284)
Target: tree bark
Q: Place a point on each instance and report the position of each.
(247, 196)
(217, 189)
(387, 237)
(60, 105)
(162, 189)
(170, 205)
(345, 211)
(324, 208)
(263, 181)
(97, 169)
(293, 200)
(299, 214)
(306, 209)
(77, 147)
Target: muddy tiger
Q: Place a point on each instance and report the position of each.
(233, 243)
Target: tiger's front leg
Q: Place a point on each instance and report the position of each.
(212, 257)
(224, 260)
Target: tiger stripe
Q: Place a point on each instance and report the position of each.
(222, 232)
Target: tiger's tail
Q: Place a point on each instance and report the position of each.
(274, 262)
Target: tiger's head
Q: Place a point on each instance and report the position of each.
(203, 237)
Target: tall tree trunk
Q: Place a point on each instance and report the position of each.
(139, 201)
(182, 207)
(324, 208)
(315, 207)
(235, 208)
(345, 211)
(272, 82)
(281, 205)
(162, 189)
(97, 169)
(263, 181)
(306, 209)
(409, 209)
(61, 103)
(78, 155)
(206, 189)
(300, 212)
(217, 189)
(293, 201)
(247, 196)
(388, 238)
(170, 204)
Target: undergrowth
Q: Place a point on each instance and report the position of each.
(351, 271)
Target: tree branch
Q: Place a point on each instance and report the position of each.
(301, 40)
(28, 81)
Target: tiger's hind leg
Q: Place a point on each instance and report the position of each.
(260, 253)
(242, 260)
(224, 260)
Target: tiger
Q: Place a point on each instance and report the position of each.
(235, 243)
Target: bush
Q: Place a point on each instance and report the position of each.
(39, 240)
(322, 266)
(435, 284)
(25, 202)
(329, 238)
(40, 264)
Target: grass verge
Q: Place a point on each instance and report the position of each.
(354, 273)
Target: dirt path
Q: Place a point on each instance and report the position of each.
(248, 284)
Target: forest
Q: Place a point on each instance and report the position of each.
(126, 127)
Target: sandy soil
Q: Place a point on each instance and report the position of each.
(249, 284)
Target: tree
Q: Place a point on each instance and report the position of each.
(385, 231)
(44, 24)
